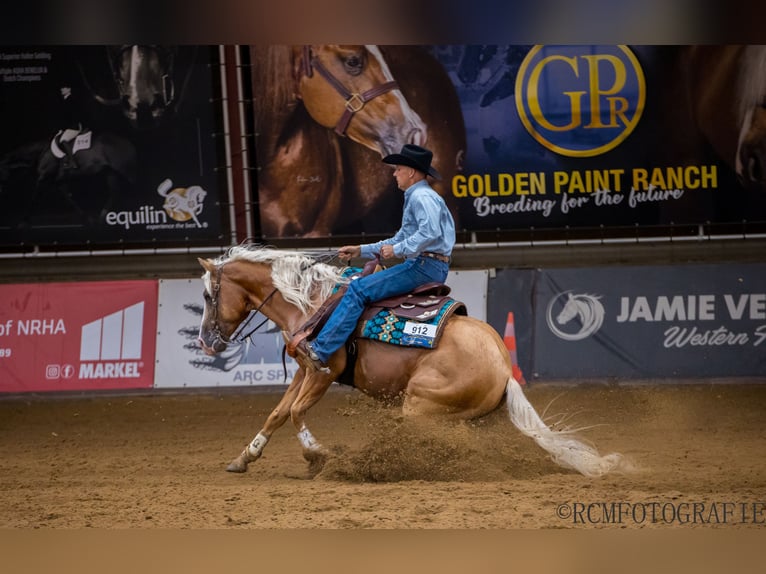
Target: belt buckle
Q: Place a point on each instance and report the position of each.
(437, 256)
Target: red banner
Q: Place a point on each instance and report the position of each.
(77, 336)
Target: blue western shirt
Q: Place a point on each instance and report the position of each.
(427, 225)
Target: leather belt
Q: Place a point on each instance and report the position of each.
(437, 256)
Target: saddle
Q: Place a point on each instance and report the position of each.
(422, 304)
(65, 149)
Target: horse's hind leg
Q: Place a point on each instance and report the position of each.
(314, 389)
(276, 419)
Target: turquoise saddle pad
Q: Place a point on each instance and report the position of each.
(387, 327)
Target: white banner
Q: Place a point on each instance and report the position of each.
(470, 287)
(181, 362)
(258, 361)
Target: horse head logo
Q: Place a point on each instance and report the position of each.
(586, 308)
(182, 203)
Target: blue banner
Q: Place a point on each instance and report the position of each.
(592, 139)
(642, 322)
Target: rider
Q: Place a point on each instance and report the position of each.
(71, 125)
(425, 241)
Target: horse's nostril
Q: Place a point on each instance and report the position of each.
(207, 350)
(416, 137)
(754, 172)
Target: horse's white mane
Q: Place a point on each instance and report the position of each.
(752, 78)
(299, 277)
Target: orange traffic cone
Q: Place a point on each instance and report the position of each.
(510, 343)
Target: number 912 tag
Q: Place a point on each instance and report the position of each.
(420, 329)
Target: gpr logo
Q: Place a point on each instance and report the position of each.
(565, 307)
(115, 342)
(580, 101)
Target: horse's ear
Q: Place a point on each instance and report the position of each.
(207, 264)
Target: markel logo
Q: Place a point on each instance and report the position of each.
(110, 347)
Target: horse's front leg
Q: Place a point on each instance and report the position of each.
(275, 420)
(314, 389)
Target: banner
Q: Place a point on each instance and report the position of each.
(257, 361)
(600, 139)
(77, 336)
(181, 361)
(644, 322)
(109, 145)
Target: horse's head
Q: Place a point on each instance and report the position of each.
(725, 86)
(351, 89)
(144, 77)
(225, 308)
(750, 160)
(571, 308)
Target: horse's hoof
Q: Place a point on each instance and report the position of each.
(240, 463)
(236, 466)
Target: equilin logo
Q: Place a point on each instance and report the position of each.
(113, 345)
(182, 203)
(565, 307)
(580, 101)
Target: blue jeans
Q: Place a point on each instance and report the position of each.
(396, 280)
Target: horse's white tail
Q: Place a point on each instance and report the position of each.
(564, 449)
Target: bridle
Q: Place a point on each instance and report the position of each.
(354, 101)
(166, 58)
(236, 336)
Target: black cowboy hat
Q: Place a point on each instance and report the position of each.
(416, 157)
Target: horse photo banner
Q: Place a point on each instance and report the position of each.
(544, 136)
(106, 145)
(641, 322)
(77, 336)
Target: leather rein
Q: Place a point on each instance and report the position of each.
(354, 101)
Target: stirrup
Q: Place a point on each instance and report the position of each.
(306, 352)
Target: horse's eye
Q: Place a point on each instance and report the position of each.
(206, 296)
(354, 64)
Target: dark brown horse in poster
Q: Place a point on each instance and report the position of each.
(326, 115)
(714, 99)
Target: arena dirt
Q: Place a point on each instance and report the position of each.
(144, 462)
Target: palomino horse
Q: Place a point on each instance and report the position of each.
(325, 115)
(721, 91)
(465, 376)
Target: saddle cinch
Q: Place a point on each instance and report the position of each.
(414, 319)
